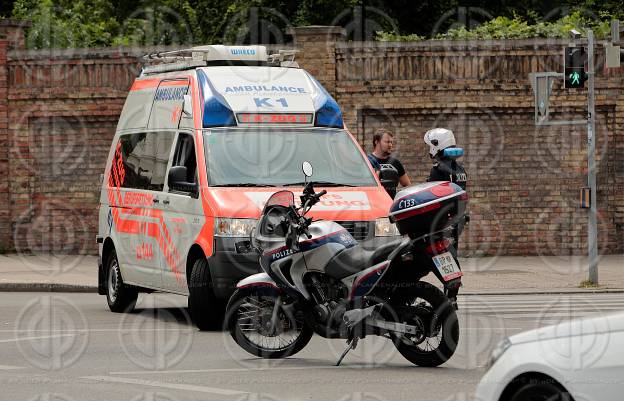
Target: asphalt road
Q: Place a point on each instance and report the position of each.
(64, 347)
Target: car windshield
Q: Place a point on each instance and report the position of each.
(273, 157)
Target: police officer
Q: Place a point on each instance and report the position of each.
(443, 150)
(390, 170)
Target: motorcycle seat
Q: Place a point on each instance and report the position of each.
(356, 259)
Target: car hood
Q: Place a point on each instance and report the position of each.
(607, 323)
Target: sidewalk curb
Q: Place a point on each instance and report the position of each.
(63, 287)
(547, 292)
(46, 287)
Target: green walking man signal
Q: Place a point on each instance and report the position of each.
(574, 66)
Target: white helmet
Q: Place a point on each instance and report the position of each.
(439, 139)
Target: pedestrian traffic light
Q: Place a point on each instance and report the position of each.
(574, 67)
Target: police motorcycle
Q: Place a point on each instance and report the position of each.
(317, 279)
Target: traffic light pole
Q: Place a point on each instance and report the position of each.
(592, 229)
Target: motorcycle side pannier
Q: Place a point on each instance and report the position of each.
(426, 208)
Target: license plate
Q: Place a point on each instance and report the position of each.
(446, 265)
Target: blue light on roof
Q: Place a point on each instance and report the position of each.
(216, 114)
(328, 112)
(216, 111)
(329, 115)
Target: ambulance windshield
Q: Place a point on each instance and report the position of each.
(273, 157)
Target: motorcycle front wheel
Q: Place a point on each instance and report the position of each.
(427, 307)
(266, 324)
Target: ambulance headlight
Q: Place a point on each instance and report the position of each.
(384, 228)
(227, 227)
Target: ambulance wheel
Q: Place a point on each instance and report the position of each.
(205, 309)
(120, 297)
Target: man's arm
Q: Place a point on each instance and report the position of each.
(405, 180)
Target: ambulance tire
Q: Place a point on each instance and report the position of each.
(121, 297)
(206, 310)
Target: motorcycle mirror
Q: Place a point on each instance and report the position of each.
(307, 168)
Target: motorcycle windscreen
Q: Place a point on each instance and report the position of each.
(280, 198)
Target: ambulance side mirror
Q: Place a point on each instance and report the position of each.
(187, 107)
(177, 181)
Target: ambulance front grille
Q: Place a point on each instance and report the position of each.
(358, 229)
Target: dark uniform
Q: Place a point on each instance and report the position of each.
(391, 164)
(450, 170)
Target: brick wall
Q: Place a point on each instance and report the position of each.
(62, 108)
(523, 180)
(5, 212)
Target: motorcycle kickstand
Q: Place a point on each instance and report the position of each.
(351, 344)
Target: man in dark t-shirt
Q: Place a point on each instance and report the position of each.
(386, 165)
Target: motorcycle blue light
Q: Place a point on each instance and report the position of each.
(453, 152)
(216, 111)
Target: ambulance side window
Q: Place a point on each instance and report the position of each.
(185, 156)
(144, 158)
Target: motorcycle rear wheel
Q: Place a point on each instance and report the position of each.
(441, 327)
(249, 322)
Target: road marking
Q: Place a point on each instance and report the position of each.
(492, 328)
(221, 370)
(100, 330)
(10, 340)
(9, 367)
(173, 386)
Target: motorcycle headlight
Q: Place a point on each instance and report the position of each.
(227, 227)
(383, 228)
(497, 352)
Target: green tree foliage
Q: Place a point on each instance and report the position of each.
(518, 28)
(67, 23)
(94, 23)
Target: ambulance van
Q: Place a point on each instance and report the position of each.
(206, 135)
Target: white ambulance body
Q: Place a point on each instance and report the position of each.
(202, 142)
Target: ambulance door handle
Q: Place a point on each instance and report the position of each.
(155, 200)
(166, 202)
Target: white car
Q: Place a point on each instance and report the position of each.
(578, 360)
